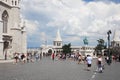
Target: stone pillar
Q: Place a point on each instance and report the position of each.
(1, 41)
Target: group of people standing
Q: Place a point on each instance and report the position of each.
(87, 60)
(26, 57)
(19, 57)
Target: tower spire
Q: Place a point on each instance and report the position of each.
(58, 37)
(58, 40)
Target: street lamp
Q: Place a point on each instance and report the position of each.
(109, 55)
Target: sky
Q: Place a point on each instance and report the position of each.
(76, 19)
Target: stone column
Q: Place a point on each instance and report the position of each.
(1, 40)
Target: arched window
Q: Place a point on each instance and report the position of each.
(12, 2)
(5, 21)
(15, 2)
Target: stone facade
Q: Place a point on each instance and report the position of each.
(12, 33)
(116, 38)
(57, 48)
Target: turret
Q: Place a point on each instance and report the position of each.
(14, 3)
(58, 40)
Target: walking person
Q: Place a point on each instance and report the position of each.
(31, 57)
(119, 57)
(79, 59)
(37, 56)
(100, 63)
(89, 62)
(107, 60)
(16, 58)
(53, 56)
(28, 57)
(19, 57)
(40, 56)
(23, 58)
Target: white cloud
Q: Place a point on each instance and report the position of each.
(43, 36)
(73, 16)
(32, 27)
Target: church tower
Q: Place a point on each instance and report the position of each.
(58, 40)
(12, 33)
(16, 30)
(14, 3)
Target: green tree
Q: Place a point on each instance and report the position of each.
(66, 48)
(100, 46)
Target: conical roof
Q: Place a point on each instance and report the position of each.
(116, 36)
(58, 37)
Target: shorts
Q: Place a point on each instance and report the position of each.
(89, 65)
(16, 57)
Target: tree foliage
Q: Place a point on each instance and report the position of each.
(66, 48)
(100, 46)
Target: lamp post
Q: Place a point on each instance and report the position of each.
(109, 55)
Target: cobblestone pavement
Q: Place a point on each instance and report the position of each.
(46, 69)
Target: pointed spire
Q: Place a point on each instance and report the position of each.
(58, 37)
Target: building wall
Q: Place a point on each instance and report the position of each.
(15, 37)
(24, 42)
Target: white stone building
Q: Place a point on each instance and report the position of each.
(116, 38)
(57, 47)
(12, 31)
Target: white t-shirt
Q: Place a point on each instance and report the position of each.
(89, 60)
(100, 59)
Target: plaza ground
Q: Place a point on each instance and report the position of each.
(46, 69)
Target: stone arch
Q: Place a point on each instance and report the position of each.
(50, 51)
(5, 21)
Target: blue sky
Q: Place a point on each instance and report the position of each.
(74, 18)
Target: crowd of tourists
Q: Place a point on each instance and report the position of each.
(87, 60)
(25, 58)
